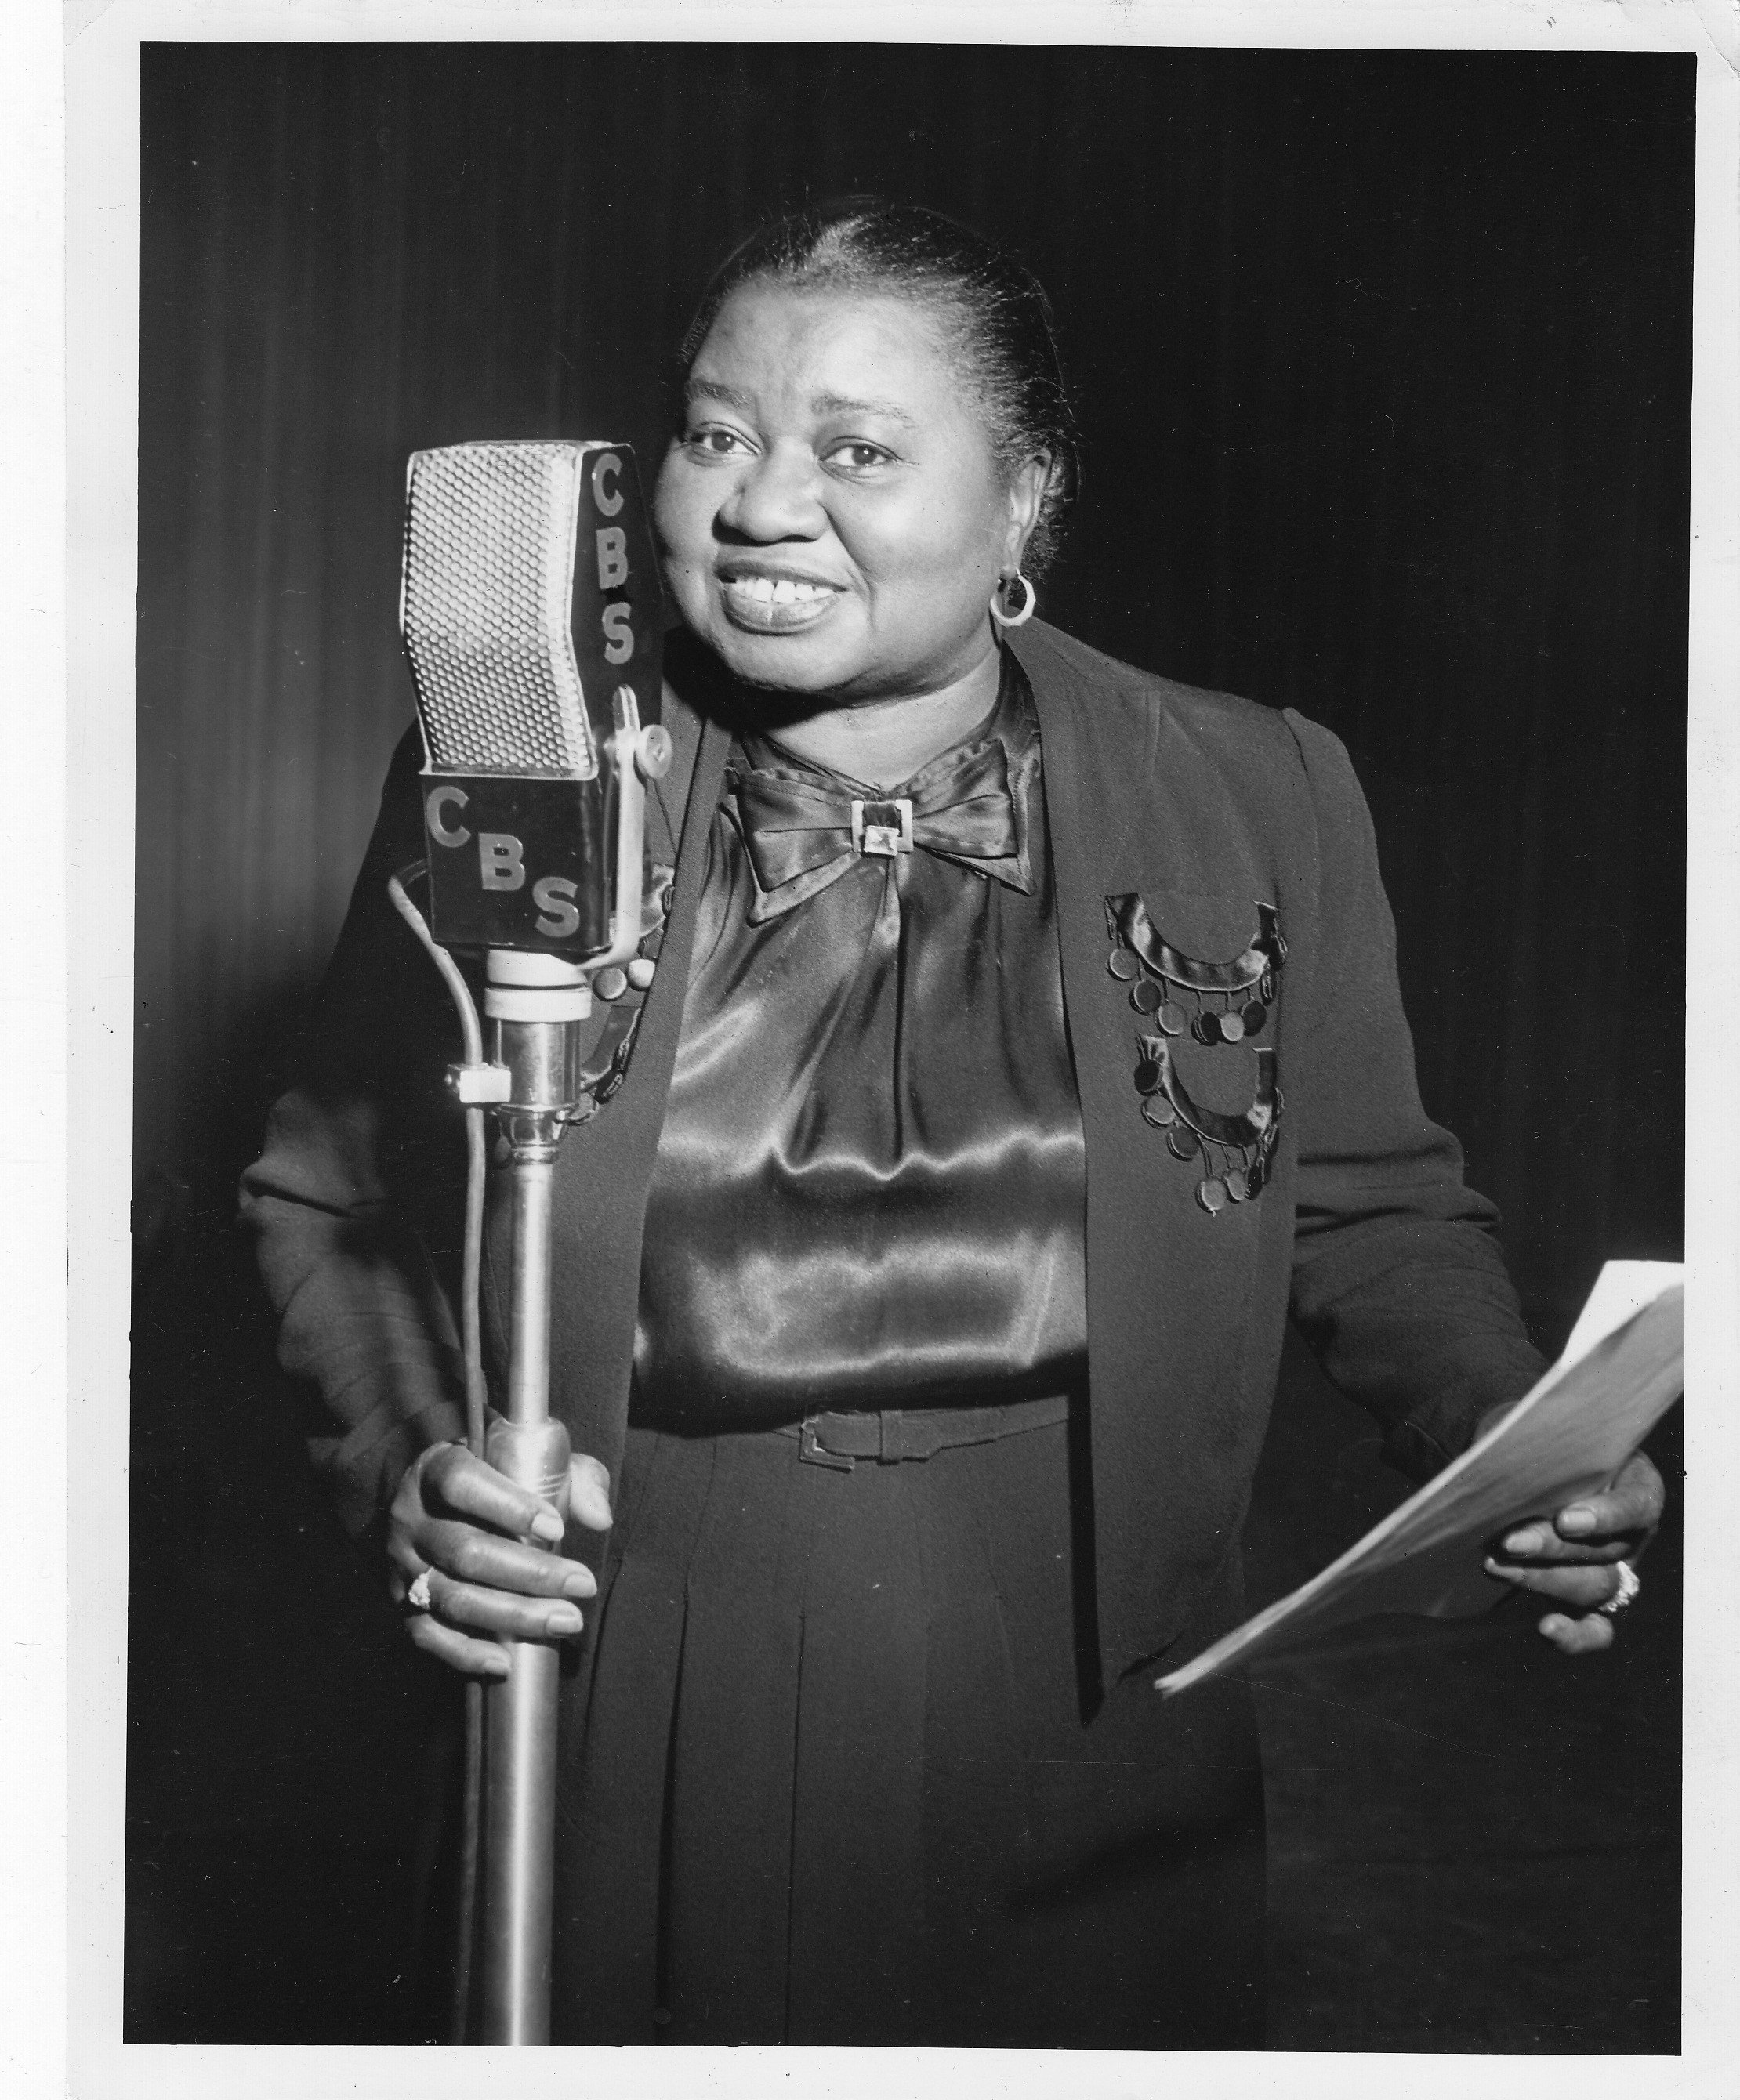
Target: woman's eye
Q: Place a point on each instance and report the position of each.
(715, 441)
(857, 455)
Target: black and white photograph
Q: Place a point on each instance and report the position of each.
(908, 1149)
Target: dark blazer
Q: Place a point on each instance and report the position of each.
(1202, 804)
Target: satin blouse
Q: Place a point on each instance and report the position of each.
(870, 1187)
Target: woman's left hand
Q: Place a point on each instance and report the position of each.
(1571, 1558)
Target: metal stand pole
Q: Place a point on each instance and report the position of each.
(519, 1729)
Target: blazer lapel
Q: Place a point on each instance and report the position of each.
(1132, 802)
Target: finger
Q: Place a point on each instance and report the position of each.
(1633, 1504)
(1585, 1588)
(499, 1612)
(475, 1658)
(588, 1492)
(470, 1488)
(1539, 1545)
(479, 1557)
(1588, 1635)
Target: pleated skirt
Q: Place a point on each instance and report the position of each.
(834, 1778)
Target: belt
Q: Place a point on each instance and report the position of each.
(840, 1440)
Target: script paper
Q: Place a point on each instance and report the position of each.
(1622, 1369)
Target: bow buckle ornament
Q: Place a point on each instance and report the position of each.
(882, 828)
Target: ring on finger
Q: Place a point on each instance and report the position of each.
(418, 1596)
(1629, 1585)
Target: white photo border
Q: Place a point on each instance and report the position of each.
(82, 2052)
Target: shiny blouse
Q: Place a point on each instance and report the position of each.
(870, 1187)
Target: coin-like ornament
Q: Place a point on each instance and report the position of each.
(1237, 1187)
(1172, 1019)
(610, 984)
(1211, 1194)
(1205, 1028)
(1147, 1076)
(1253, 1014)
(1159, 1112)
(1145, 995)
(1231, 1026)
(1123, 965)
(1182, 1142)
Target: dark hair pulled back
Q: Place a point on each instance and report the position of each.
(1000, 324)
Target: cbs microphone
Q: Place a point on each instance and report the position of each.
(532, 618)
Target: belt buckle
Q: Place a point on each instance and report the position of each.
(884, 827)
(816, 1453)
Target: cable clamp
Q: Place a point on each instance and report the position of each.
(480, 1086)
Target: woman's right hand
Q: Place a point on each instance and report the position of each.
(464, 1525)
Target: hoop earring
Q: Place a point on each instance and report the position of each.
(1029, 600)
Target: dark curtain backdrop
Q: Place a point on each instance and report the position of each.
(1383, 364)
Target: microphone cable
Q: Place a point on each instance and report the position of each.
(476, 1409)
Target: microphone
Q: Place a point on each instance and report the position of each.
(532, 617)
(534, 620)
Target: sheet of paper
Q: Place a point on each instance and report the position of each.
(1622, 1369)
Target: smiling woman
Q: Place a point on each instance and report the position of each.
(875, 437)
(963, 1214)
(836, 519)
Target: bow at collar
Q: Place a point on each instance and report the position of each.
(801, 834)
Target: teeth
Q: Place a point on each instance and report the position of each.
(786, 591)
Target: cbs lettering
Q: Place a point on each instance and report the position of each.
(501, 862)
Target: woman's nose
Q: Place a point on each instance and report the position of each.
(775, 497)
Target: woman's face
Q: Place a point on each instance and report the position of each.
(832, 516)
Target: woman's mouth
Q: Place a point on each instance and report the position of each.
(774, 605)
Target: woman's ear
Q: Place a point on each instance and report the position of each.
(1027, 495)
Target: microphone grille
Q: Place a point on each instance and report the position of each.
(486, 605)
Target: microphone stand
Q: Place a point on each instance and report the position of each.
(535, 1003)
(539, 1048)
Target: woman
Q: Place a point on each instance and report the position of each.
(922, 1291)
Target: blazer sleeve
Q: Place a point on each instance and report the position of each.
(356, 1203)
(1398, 1282)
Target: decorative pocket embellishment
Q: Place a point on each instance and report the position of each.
(1156, 973)
(1196, 1133)
(1234, 1153)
